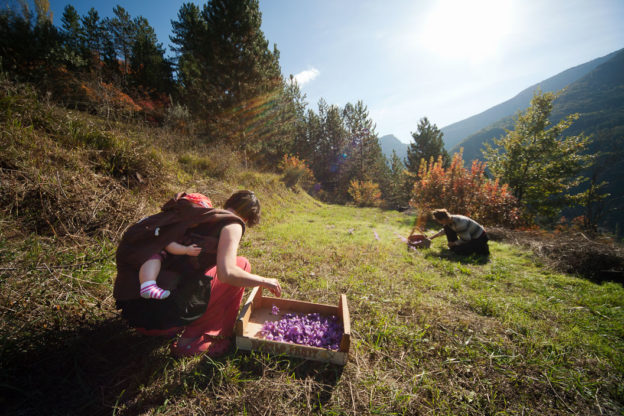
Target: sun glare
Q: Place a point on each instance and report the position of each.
(471, 30)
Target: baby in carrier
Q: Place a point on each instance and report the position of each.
(150, 269)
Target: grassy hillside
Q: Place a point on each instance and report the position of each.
(433, 333)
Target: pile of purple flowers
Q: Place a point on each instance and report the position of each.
(310, 329)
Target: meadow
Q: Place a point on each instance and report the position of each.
(432, 333)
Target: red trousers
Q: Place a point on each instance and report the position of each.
(221, 313)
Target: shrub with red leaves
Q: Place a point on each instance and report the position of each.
(464, 191)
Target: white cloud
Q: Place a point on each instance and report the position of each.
(306, 76)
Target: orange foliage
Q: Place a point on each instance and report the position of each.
(464, 191)
(293, 162)
(575, 224)
(296, 171)
(365, 193)
(152, 103)
(108, 94)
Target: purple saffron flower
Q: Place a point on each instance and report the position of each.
(311, 329)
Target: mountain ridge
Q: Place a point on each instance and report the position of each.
(390, 142)
(457, 132)
(598, 98)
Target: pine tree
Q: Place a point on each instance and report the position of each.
(72, 36)
(93, 34)
(240, 57)
(150, 68)
(341, 146)
(123, 33)
(396, 194)
(277, 126)
(307, 137)
(226, 68)
(427, 143)
(364, 158)
(188, 32)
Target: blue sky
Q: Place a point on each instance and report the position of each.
(406, 59)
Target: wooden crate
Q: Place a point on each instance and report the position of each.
(257, 310)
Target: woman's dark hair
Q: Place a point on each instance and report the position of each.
(246, 205)
(441, 214)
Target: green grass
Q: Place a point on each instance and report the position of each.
(433, 333)
(529, 338)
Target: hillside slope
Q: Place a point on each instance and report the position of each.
(458, 132)
(432, 333)
(598, 97)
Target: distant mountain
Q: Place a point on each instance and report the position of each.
(389, 143)
(460, 131)
(598, 97)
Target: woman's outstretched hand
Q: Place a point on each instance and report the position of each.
(273, 286)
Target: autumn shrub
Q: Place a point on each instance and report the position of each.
(108, 100)
(296, 171)
(464, 191)
(154, 105)
(365, 193)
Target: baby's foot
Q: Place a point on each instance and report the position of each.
(150, 290)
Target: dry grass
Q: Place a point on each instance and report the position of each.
(598, 258)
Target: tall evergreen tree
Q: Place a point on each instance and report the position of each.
(396, 194)
(123, 32)
(93, 37)
(307, 139)
(149, 66)
(330, 142)
(188, 32)
(225, 65)
(72, 36)
(340, 146)
(239, 56)
(427, 143)
(70, 22)
(362, 141)
(364, 158)
(277, 126)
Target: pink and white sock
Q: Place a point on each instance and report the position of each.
(150, 290)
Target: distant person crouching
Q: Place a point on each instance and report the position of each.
(464, 235)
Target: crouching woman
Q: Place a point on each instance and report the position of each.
(205, 290)
(464, 235)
